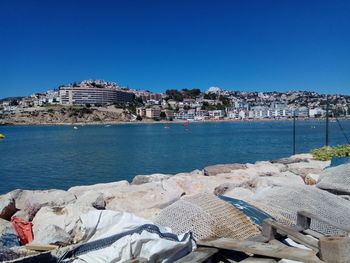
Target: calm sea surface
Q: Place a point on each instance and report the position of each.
(48, 157)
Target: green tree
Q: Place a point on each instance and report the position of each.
(210, 96)
(139, 118)
(174, 94)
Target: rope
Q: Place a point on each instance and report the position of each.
(342, 130)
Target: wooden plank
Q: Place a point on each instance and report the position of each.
(264, 249)
(324, 220)
(335, 249)
(303, 221)
(288, 231)
(199, 255)
(41, 247)
(313, 233)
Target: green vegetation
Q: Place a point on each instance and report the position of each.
(210, 96)
(326, 153)
(180, 95)
(139, 118)
(131, 106)
(174, 95)
(78, 112)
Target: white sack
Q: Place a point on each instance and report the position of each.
(155, 246)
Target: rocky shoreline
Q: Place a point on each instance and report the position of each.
(57, 211)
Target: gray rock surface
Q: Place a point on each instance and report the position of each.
(222, 168)
(336, 179)
(64, 217)
(142, 179)
(145, 200)
(6, 227)
(289, 160)
(8, 237)
(33, 200)
(50, 234)
(7, 207)
(91, 198)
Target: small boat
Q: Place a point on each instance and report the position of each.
(75, 128)
(167, 127)
(2, 136)
(108, 125)
(185, 124)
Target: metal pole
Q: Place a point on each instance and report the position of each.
(294, 133)
(327, 121)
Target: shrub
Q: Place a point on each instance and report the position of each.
(326, 153)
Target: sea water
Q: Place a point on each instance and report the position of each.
(47, 157)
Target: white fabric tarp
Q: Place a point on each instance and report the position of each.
(139, 238)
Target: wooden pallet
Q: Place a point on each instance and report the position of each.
(268, 248)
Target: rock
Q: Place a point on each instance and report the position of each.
(312, 164)
(7, 207)
(137, 199)
(107, 189)
(50, 234)
(8, 237)
(64, 217)
(336, 179)
(307, 156)
(305, 171)
(239, 193)
(6, 227)
(91, 198)
(194, 172)
(24, 215)
(309, 180)
(288, 160)
(222, 168)
(31, 201)
(142, 179)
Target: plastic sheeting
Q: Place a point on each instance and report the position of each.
(339, 161)
(115, 236)
(255, 214)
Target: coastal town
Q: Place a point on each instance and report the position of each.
(125, 104)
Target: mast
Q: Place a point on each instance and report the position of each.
(294, 132)
(327, 121)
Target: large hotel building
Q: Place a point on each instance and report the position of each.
(83, 95)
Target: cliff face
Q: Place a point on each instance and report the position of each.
(65, 115)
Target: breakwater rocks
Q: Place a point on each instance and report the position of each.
(55, 213)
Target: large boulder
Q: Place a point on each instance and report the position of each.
(289, 160)
(33, 200)
(145, 200)
(91, 198)
(7, 207)
(142, 179)
(222, 168)
(50, 234)
(64, 217)
(336, 180)
(8, 237)
(107, 189)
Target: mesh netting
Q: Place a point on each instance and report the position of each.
(283, 203)
(336, 179)
(207, 216)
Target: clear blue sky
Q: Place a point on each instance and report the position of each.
(247, 45)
